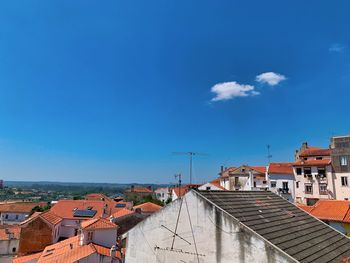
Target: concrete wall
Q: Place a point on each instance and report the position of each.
(279, 179)
(341, 192)
(218, 237)
(7, 246)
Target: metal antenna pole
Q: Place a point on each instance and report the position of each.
(269, 156)
(191, 154)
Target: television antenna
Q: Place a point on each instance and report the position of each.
(190, 154)
(269, 156)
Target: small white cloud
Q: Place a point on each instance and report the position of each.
(270, 78)
(230, 90)
(336, 48)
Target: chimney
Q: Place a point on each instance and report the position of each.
(81, 238)
(113, 251)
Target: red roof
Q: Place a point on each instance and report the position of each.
(281, 168)
(260, 169)
(97, 223)
(216, 183)
(330, 210)
(184, 189)
(66, 208)
(70, 250)
(148, 207)
(314, 151)
(313, 162)
(9, 232)
(26, 259)
(122, 212)
(96, 196)
(20, 207)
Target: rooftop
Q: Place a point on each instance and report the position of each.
(20, 207)
(313, 162)
(281, 168)
(282, 224)
(98, 223)
(330, 210)
(148, 207)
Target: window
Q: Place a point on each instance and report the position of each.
(307, 171)
(318, 158)
(208, 188)
(323, 189)
(273, 184)
(285, 185)
(299, 171)
(344, 181)
(321, 171)
(6, 216)
(13, 250)
(297, 184)
(90, 234)
(308, 188)
(16, 217)
(343, 161)
(346, 199)
(305, 158)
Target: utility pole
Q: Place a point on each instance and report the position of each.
(190, 154)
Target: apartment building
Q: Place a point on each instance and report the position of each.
(340, 153)
(313, 175)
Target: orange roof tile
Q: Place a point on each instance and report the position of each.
(281, 168)
(26, 259)
(148, 207)
(330, 210)
(9, 232)
(70, 250)
(122, 212)
(21, 207)
(51, 218)
(313, 162)
(96, 196)
(260, 169)
(314, 151)
(65, 208)
(216, 182)
(306, 208)
(97, 223)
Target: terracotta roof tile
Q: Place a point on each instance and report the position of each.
(148, 207)
(21, 207)
(314, 151)
(122, 212)
(69, 250)
(98, 223)
(51, 218)
(330, 210)
(281, 168)
(65, 208)
(26, 259)
(10, 232)
(216, 182)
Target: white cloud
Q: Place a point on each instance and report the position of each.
(336, 48)
(230, 90)
(270, 78)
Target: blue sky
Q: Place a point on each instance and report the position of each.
(105, 91)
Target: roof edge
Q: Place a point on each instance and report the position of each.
(246, 227)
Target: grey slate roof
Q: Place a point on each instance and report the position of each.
(291, 229)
